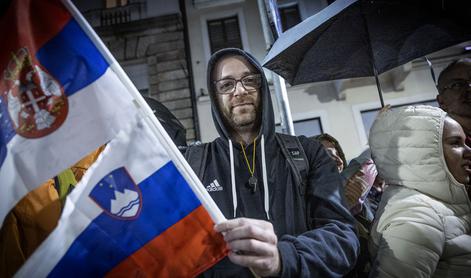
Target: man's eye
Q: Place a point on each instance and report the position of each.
(251, 80)
(455, 143)
(458, 85)
(225, 85)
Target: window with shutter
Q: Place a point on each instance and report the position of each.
(224, 32)
(289, 16)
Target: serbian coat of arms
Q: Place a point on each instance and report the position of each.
(35, 101)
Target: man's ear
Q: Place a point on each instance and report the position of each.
(441, 103)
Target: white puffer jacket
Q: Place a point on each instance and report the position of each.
(423, 224)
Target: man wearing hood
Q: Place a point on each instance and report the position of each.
(277, 227)
(454, 88)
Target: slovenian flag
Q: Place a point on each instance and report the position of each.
(132, 215)
(59, 97)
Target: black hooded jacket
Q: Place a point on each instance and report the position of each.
(316, 234)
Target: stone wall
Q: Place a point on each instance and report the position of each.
(159, 44)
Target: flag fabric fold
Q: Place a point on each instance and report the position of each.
(133, 213)
(59, 97)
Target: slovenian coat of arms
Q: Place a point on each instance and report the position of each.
(118, 195)
(35, 101)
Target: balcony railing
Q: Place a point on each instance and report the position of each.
(110, 16)
(201, 4)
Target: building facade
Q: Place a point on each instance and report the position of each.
(164, 46)
(147, 38)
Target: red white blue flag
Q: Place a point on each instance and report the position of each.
(134, 212)
(59, 97)
(132, 215)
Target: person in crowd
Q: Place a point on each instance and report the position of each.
(35, 216)
(278, 225)
(454, 93)
(363, 187)
(423, 224)
(174, 128)
(360, 175)
(333, 148)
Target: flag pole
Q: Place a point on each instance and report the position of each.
(155, 125)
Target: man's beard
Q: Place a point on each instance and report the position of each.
(243, 120)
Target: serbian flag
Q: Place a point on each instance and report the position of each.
(59, 97)
(132, 215)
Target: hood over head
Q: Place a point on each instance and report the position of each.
(267, 123)
(329, 138)
(406, 145)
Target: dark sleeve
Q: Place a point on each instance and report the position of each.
(331, 247)
(196, 155)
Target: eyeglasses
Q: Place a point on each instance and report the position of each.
(459, 85)
(250, 82)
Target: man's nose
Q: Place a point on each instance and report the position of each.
(239, 89)
(467, 152)
(468, 87)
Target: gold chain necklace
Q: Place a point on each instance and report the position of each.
(252, 179)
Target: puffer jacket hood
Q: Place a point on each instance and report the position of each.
(406, 145)
(267, 127)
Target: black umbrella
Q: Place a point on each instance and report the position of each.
(359, 38)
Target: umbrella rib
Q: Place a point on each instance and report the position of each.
(372, 56)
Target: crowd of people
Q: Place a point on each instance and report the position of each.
(400, 208)
(296, 208)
